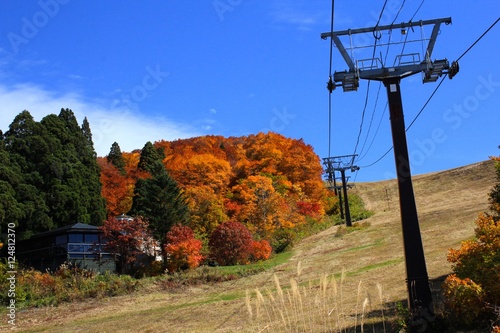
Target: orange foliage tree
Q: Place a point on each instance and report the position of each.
(183, 250)
(117, 188)
(261, 250)
(263, 210)
(267, 181)
(473, 289)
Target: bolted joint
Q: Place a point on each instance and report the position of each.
(330, 85)
(453, 70)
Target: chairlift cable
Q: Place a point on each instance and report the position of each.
(435, 90)
(377, 38)
(329, 82)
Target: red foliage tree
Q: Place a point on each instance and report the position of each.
(126, 239)
(231, 244)
(312, 209)
(182, 249)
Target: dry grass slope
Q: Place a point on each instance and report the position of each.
(354, 268)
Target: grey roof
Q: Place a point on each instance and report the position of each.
(77, 227)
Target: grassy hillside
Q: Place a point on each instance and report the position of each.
(333, 275)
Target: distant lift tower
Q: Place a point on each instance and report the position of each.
(405, 64)
(340, 163)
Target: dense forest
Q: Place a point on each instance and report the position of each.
(268, 182)
(50, 177)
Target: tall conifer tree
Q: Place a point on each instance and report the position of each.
(160, 200)
(149, 155)
(115, 157)
(26, 147)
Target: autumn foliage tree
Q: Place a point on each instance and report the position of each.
(117, 188)
(183, 250)
(270, 183)
(261, 250)
(473, 289)
(231, 244)
(126, 239)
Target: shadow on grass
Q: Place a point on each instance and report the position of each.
(396, 316)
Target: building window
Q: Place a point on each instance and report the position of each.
(75, 238)
(92, 238)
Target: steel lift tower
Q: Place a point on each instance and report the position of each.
(341, 163)
(405, 64)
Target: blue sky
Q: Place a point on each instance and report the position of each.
(149, 70)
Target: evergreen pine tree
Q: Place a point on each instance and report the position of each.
(87, 134)
(149, 155)
(11, 210)
(94, 187)
(160, 200)
(26, 147)
(115, 157)
(59, 182)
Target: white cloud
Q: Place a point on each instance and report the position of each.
(130, 128)
(299, 15)
(212, 111)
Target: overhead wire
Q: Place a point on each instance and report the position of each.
(435, 90)
(329, 82)
(419, 6)
(477, 40)
(378, 92)
(377, 38)
(386, 104)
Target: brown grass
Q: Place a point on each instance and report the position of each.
(347, 271)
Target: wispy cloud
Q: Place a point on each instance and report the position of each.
(108, 124)
(297, 14)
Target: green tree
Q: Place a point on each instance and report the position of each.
(149, 155)
(58, 180)
(11, 210)
(72, 173)
(494, 195)
(88, 157)
(26, 147)
(87, 134)
(115, 157)
(160, 200)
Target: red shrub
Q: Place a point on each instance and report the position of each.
(309, 209)
(182, 249)
(231, 244)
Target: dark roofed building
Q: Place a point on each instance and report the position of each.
(79, 244)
